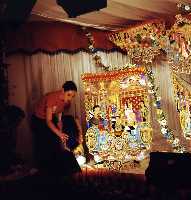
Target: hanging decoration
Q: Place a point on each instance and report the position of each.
(161, 118)
(99, 63)
(179, 53)
(184, 8)
(112, 75)
(90, 38)
(142, 43)
(97, 59)
(182, 65)
(183, 105)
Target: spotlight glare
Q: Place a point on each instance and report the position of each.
(187, 8)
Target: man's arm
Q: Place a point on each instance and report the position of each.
(51, 125)
(60, 121)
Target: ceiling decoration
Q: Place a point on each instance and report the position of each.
(117, 15)
(142, 43)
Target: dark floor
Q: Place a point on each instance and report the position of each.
(90, 185)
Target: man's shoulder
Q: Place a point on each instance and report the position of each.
(52, 97)
(52, 94)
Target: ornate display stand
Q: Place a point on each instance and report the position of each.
(118, 116)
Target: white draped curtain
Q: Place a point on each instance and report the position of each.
(32, 76)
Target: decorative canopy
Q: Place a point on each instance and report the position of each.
(118, 13)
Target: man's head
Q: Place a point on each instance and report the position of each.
(70, 90)
(96, 110)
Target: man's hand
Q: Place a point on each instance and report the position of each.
(64, 137)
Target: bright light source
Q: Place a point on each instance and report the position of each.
(187, 8)
(81, 160)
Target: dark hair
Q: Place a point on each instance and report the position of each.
(96, 106)
(69, 85)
